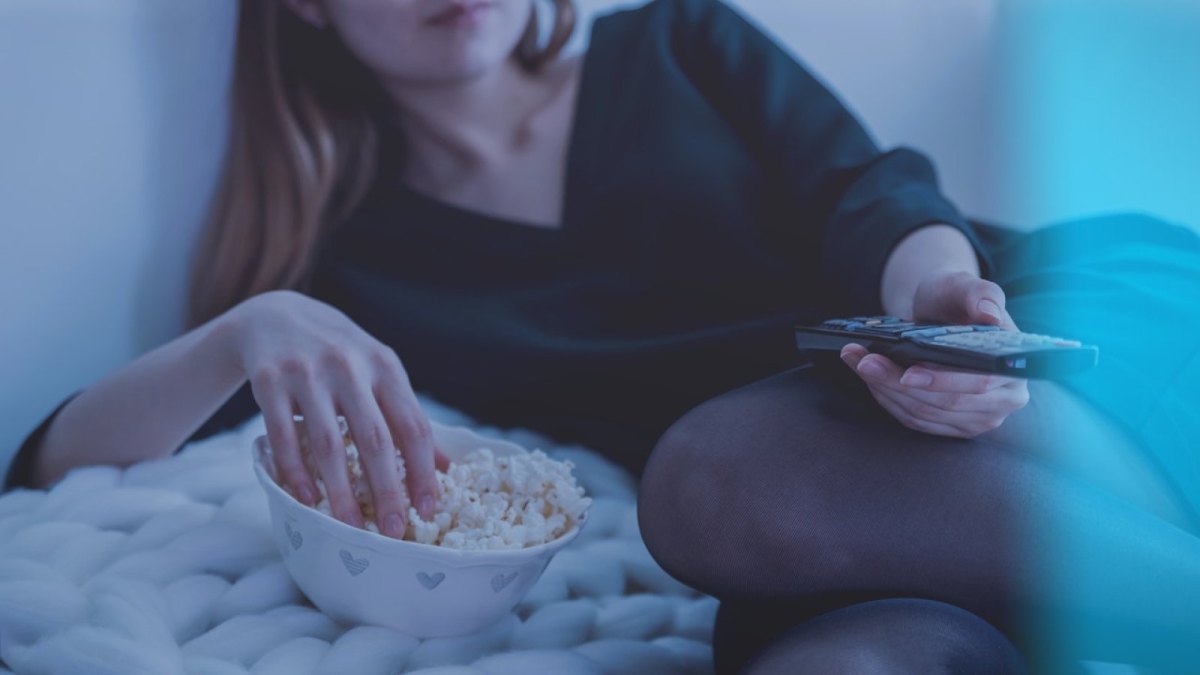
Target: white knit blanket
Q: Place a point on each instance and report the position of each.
(169, 567)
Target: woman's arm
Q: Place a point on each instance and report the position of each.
(888, 239)
(855, 202)
(299, 355)
(145, 410)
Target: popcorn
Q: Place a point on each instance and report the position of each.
(484, 502)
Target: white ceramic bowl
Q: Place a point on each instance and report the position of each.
(357, 576)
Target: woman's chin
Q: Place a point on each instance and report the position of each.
(458, 67)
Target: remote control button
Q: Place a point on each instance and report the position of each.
(890, 330)
(959, 329)
(980, 342)
(986, 329)
(924, 332)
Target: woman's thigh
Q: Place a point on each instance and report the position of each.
(1057, 429)
(801, 483)
(804, 471)
(1063, 431)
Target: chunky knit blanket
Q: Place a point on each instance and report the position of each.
(169, 567)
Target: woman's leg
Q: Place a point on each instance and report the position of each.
(896, 636)
(799, 486)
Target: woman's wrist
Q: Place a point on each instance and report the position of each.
(931, 251)
(225, 335)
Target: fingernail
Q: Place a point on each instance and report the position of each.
(989, 307)
(394, 525)
(870, 369)
(425, 507)
(916, 378)
(306, 495)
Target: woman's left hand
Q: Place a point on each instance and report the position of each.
(936, 399)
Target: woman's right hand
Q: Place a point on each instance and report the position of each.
(303, 356)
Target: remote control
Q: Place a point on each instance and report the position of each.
(988, 349)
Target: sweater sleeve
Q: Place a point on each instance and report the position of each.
(860, 200)
(240, 407)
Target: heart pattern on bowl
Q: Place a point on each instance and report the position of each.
(500, 581)
(354, 566)
(293, 536)
(431, 581)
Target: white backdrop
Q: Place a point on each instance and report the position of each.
(112, 122)
(110, 127)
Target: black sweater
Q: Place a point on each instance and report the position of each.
(716, 192)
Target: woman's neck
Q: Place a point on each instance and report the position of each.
(457, 128)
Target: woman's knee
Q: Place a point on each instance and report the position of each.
(891, 636)
(679, 492)
(710, 493)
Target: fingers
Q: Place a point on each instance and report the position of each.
(921, 416)
(960, 390)
(276, 406)
(922, 377)
(440, 460)
(985, 301)
(412, 433)
(941, 379)
(963, 298)
(377, 455)
(328, 450)
(966, 405)
(315, 361)
(891, 403)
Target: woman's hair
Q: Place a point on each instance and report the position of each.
(302, 153)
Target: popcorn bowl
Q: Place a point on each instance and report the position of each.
(357, 576)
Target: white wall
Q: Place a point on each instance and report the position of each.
(111, 114)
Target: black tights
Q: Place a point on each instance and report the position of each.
(840, 541)
(891, 636)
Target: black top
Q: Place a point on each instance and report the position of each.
(715, 193)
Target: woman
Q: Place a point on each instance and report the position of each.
(593, 247)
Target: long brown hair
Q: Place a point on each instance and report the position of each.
(302, 151)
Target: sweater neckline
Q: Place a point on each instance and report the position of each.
(419, 210)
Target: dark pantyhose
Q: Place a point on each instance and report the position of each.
(802, 505)
(894, 636)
